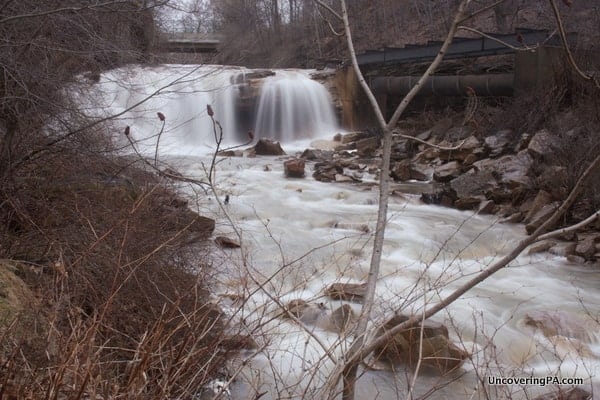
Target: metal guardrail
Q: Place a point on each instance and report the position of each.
(461, 47)
(182, 42)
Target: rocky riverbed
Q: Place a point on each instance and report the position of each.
(515, 177)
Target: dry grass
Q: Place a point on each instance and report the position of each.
(121, 308)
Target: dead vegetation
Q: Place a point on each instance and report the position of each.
(102, 279)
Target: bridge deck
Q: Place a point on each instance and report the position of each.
(459, 48)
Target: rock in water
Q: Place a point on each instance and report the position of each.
(342, 318)
(227, 243)
(438, 354)
(347, 291)
(294, 168)
(562, 323)
(268, 147)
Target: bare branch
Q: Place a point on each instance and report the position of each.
(572, 228)
(328, 8)
(563, 37)
(65, 10)
(481, 10)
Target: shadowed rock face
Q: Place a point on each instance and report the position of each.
(437, 353)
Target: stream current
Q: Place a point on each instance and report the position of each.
(299, 235)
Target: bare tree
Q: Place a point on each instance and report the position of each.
(360, 348)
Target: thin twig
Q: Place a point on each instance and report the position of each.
(563, 36)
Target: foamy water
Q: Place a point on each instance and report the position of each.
(299, 235)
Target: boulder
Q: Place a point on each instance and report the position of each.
(294, 168)
(498, 143)
(341, 178)
(439, 354)
(563, 249)
(420, 172)
(554, 180)
(352, 137)
(542, 216)
(468, 203)
(542, 145)
(227, 243)
(541, 247)
(230, 153)
(316, 154)
(486, 207)
(468, 148)
(367, 147)
(347, 291)
(447, 172)
(401, 171)
(586, 248)
(268, 147)
(428, 154)
(473, 183)
(510, 170)
(441, 197)
(541, 200)
(326, 171)
(296, 307)
(562, 323)
(342, 318)
(337, 137)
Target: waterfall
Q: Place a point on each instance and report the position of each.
(286, 106)
(292, 106)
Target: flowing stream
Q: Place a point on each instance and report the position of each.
(299, 235)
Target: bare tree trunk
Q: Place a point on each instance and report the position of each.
(350, 370)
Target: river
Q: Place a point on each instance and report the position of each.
(299, 235)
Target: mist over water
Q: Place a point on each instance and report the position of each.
(289, 106)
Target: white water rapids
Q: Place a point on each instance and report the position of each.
(300, 235)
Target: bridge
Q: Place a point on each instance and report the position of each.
(183, 42)
(489, 45)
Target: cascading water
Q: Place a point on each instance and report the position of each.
(292, 106)
(289, 106)
(300, 236)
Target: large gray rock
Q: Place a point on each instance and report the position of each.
(541, 217)
(437, 353)
(470, 147)
(473, 183)
(447, 172)
(498, 143)
(542, 145)
(367, 147)
(511, 170)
